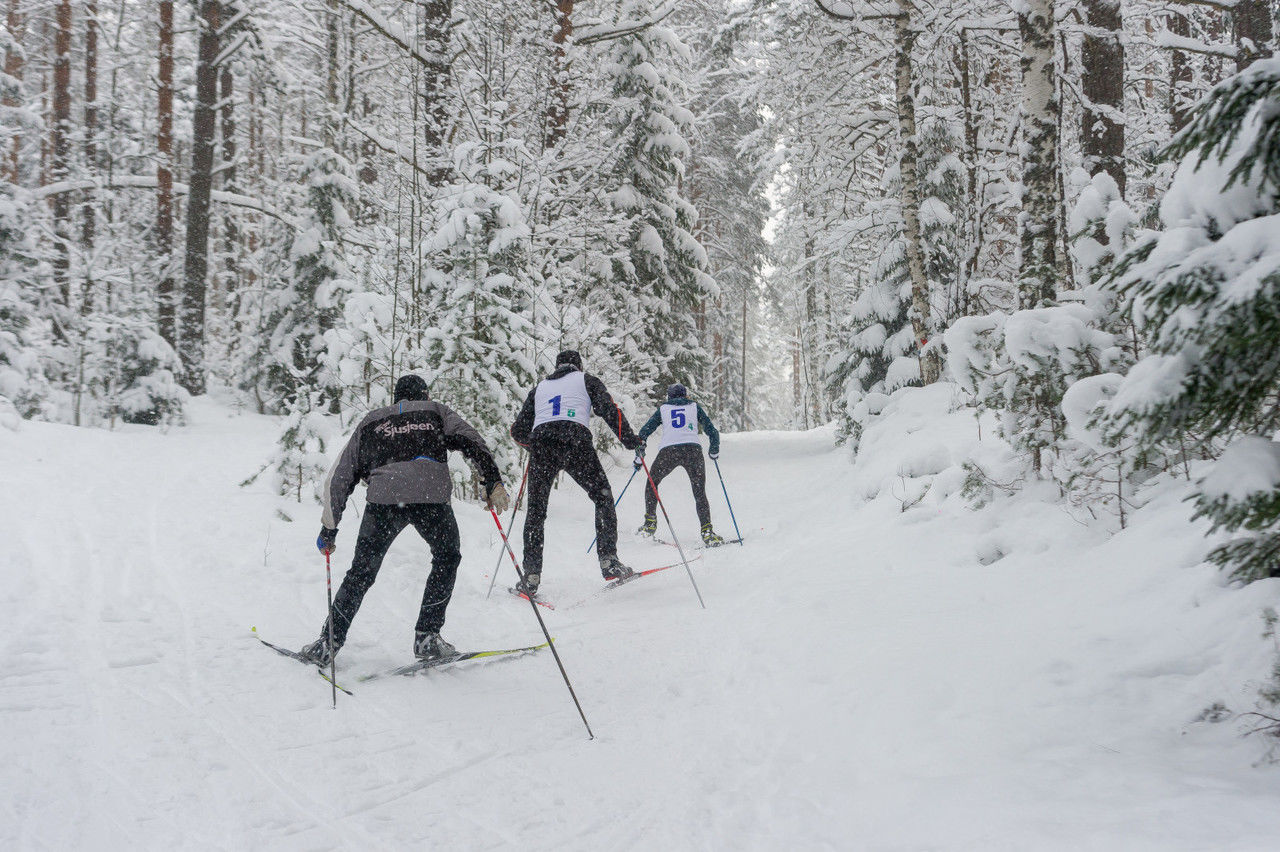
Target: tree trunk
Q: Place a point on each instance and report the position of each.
(203, 133)
(1180, 79)
(13, 67)
(166, 309)
(87, 211)
(1040, 199)
(909, 173)
(60, 165)
(558, 101)
(1102, 81)
(437, 35)
(230, 230)
(1253, 31)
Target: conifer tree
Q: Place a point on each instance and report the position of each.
(663, 266)
(1206, 293)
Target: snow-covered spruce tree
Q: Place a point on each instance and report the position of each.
(1022, 364)
(22, 380)
(663, 265)
(1205, 292)
(310, 305)
(479, 285)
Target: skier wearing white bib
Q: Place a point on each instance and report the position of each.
(680, 418)
(552, 424)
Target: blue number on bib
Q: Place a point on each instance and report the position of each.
(677, 418)
(555, 406)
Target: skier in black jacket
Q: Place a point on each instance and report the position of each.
(401, 452)
(553, 425)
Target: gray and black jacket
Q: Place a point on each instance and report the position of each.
(401, 451)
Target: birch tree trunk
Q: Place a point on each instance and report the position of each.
(909, 169)
(203, 131)
(1041, 200)
(1102, 81)
(163, 239)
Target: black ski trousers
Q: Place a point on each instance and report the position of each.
(689, 457)
(381, 524)
(550, 453)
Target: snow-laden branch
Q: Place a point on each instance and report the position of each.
(592, 33)
(1170, 41)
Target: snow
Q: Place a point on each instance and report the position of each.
(868, 674)
(1250, 466)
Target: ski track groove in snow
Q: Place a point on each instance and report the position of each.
(859, 679)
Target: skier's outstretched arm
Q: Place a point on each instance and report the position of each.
(604, 406)
(523, 424)
(651, 426)
(341, 481)
(704, 420)
(461, 436)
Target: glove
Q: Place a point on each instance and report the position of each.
(327, 541)
(639, 460)
(714, 456)
(498, 500)
(634, 444)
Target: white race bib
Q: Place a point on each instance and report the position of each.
(679, 424)
(564, 398)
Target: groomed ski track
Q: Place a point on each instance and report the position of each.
(859, 680)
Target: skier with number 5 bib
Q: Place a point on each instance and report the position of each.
(680, 418)
(553, 425)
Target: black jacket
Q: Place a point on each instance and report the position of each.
(601, 403)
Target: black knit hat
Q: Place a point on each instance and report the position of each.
(569, 356)
(411, 387)
(676, 391)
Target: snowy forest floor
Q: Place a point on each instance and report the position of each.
(860, 678)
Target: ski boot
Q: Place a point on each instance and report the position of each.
(319, 652)
(649, 527)
(428, 646)
(528, 585)
(612, 569)
(709, 537)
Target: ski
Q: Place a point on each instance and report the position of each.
(285, 652)
(700, 546)
(539, 601)
(613, 584)
(424, 665)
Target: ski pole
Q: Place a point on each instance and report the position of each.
(333, 657)
(736, 531)
(687, 569)
(510, 522)
(634, 471)
(543, 625)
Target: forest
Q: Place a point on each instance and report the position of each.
(795, 207)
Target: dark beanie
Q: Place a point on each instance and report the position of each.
(569, 356)
(411, 387)
(677, 390)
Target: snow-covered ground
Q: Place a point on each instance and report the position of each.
(864, 677)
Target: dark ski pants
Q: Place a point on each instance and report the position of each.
(381, 524)
(577, 457)
(689, 457)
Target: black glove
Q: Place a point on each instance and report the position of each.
(714, 455)
(634, 444)
(327, 541)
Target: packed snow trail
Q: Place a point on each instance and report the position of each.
(860, 679)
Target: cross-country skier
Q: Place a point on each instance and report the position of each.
(553, 425)
(401, 452)
(680, 418)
